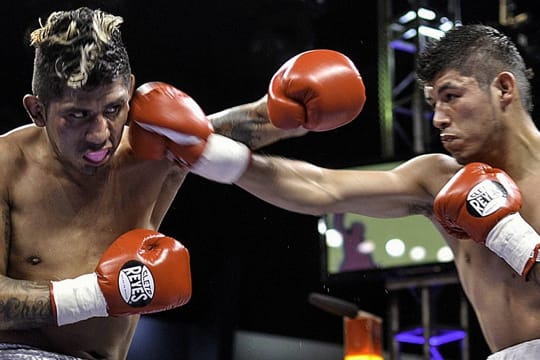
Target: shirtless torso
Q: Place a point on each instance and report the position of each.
(57, 225)
(506, 306)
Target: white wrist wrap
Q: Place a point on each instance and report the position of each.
(78, 299)
(224, 160)
(516, 242)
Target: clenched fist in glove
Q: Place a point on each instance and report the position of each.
(319, 90)
(167, 123)
(483, 203)
(142, 272)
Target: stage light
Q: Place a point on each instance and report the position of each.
(426, 14)
(430, 32)
(417, 253)
(321, 226)
(403, 46)
(446, 25)
(409, 34)
(334, 238)
(445, 254)
(408, 16)
(395, 247)
(438, 338)
(366, 247)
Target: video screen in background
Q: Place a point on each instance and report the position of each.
(354, 242)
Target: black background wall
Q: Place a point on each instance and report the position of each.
(253, 264)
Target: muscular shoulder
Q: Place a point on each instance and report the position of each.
(12, 156)
(439, 163)
(13, 145)
(430, 171)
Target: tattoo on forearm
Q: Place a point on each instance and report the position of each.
(16, 309)
(23, 304)
(253, 137)
(250, 124)
(236, 127)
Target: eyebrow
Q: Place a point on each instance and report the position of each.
(445, 86)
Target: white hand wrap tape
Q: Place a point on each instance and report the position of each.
(78, 299)
(224, 160)
(515, 241)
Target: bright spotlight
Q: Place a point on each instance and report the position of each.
(395, 247)
(426, 14)
(334, 238)
(445, 254)
(418, 253)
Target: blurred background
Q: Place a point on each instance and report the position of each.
(253, 264)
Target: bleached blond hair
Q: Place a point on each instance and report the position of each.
(79, 48)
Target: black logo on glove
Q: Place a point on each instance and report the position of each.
(136, 284)
(485, 198)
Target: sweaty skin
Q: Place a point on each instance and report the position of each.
(60, 211)
(66, 193)
(476, 124)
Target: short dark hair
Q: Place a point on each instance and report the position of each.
(81, 48)
(475, 50)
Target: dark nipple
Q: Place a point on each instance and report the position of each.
(33, 260)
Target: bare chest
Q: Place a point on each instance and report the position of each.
(60, 228)
(530, 192)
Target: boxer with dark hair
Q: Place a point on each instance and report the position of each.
(81, 256)
(478, 85)
(483, 197)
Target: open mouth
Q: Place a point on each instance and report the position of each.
(447, 138)
(97, 157)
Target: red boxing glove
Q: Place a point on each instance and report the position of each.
(319, 90)
(142, 272)
(164, 110)
(475, 200)
(167, 123)
(482, 203)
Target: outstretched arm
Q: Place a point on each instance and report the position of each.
(316, 90)
(249, 123)
(306, 188)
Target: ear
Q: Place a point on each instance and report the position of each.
(131, 85)
(506, 87)
(35, 109)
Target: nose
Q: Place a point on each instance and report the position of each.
(98, 130)
(440, 119)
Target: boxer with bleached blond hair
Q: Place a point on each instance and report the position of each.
(82, 194)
